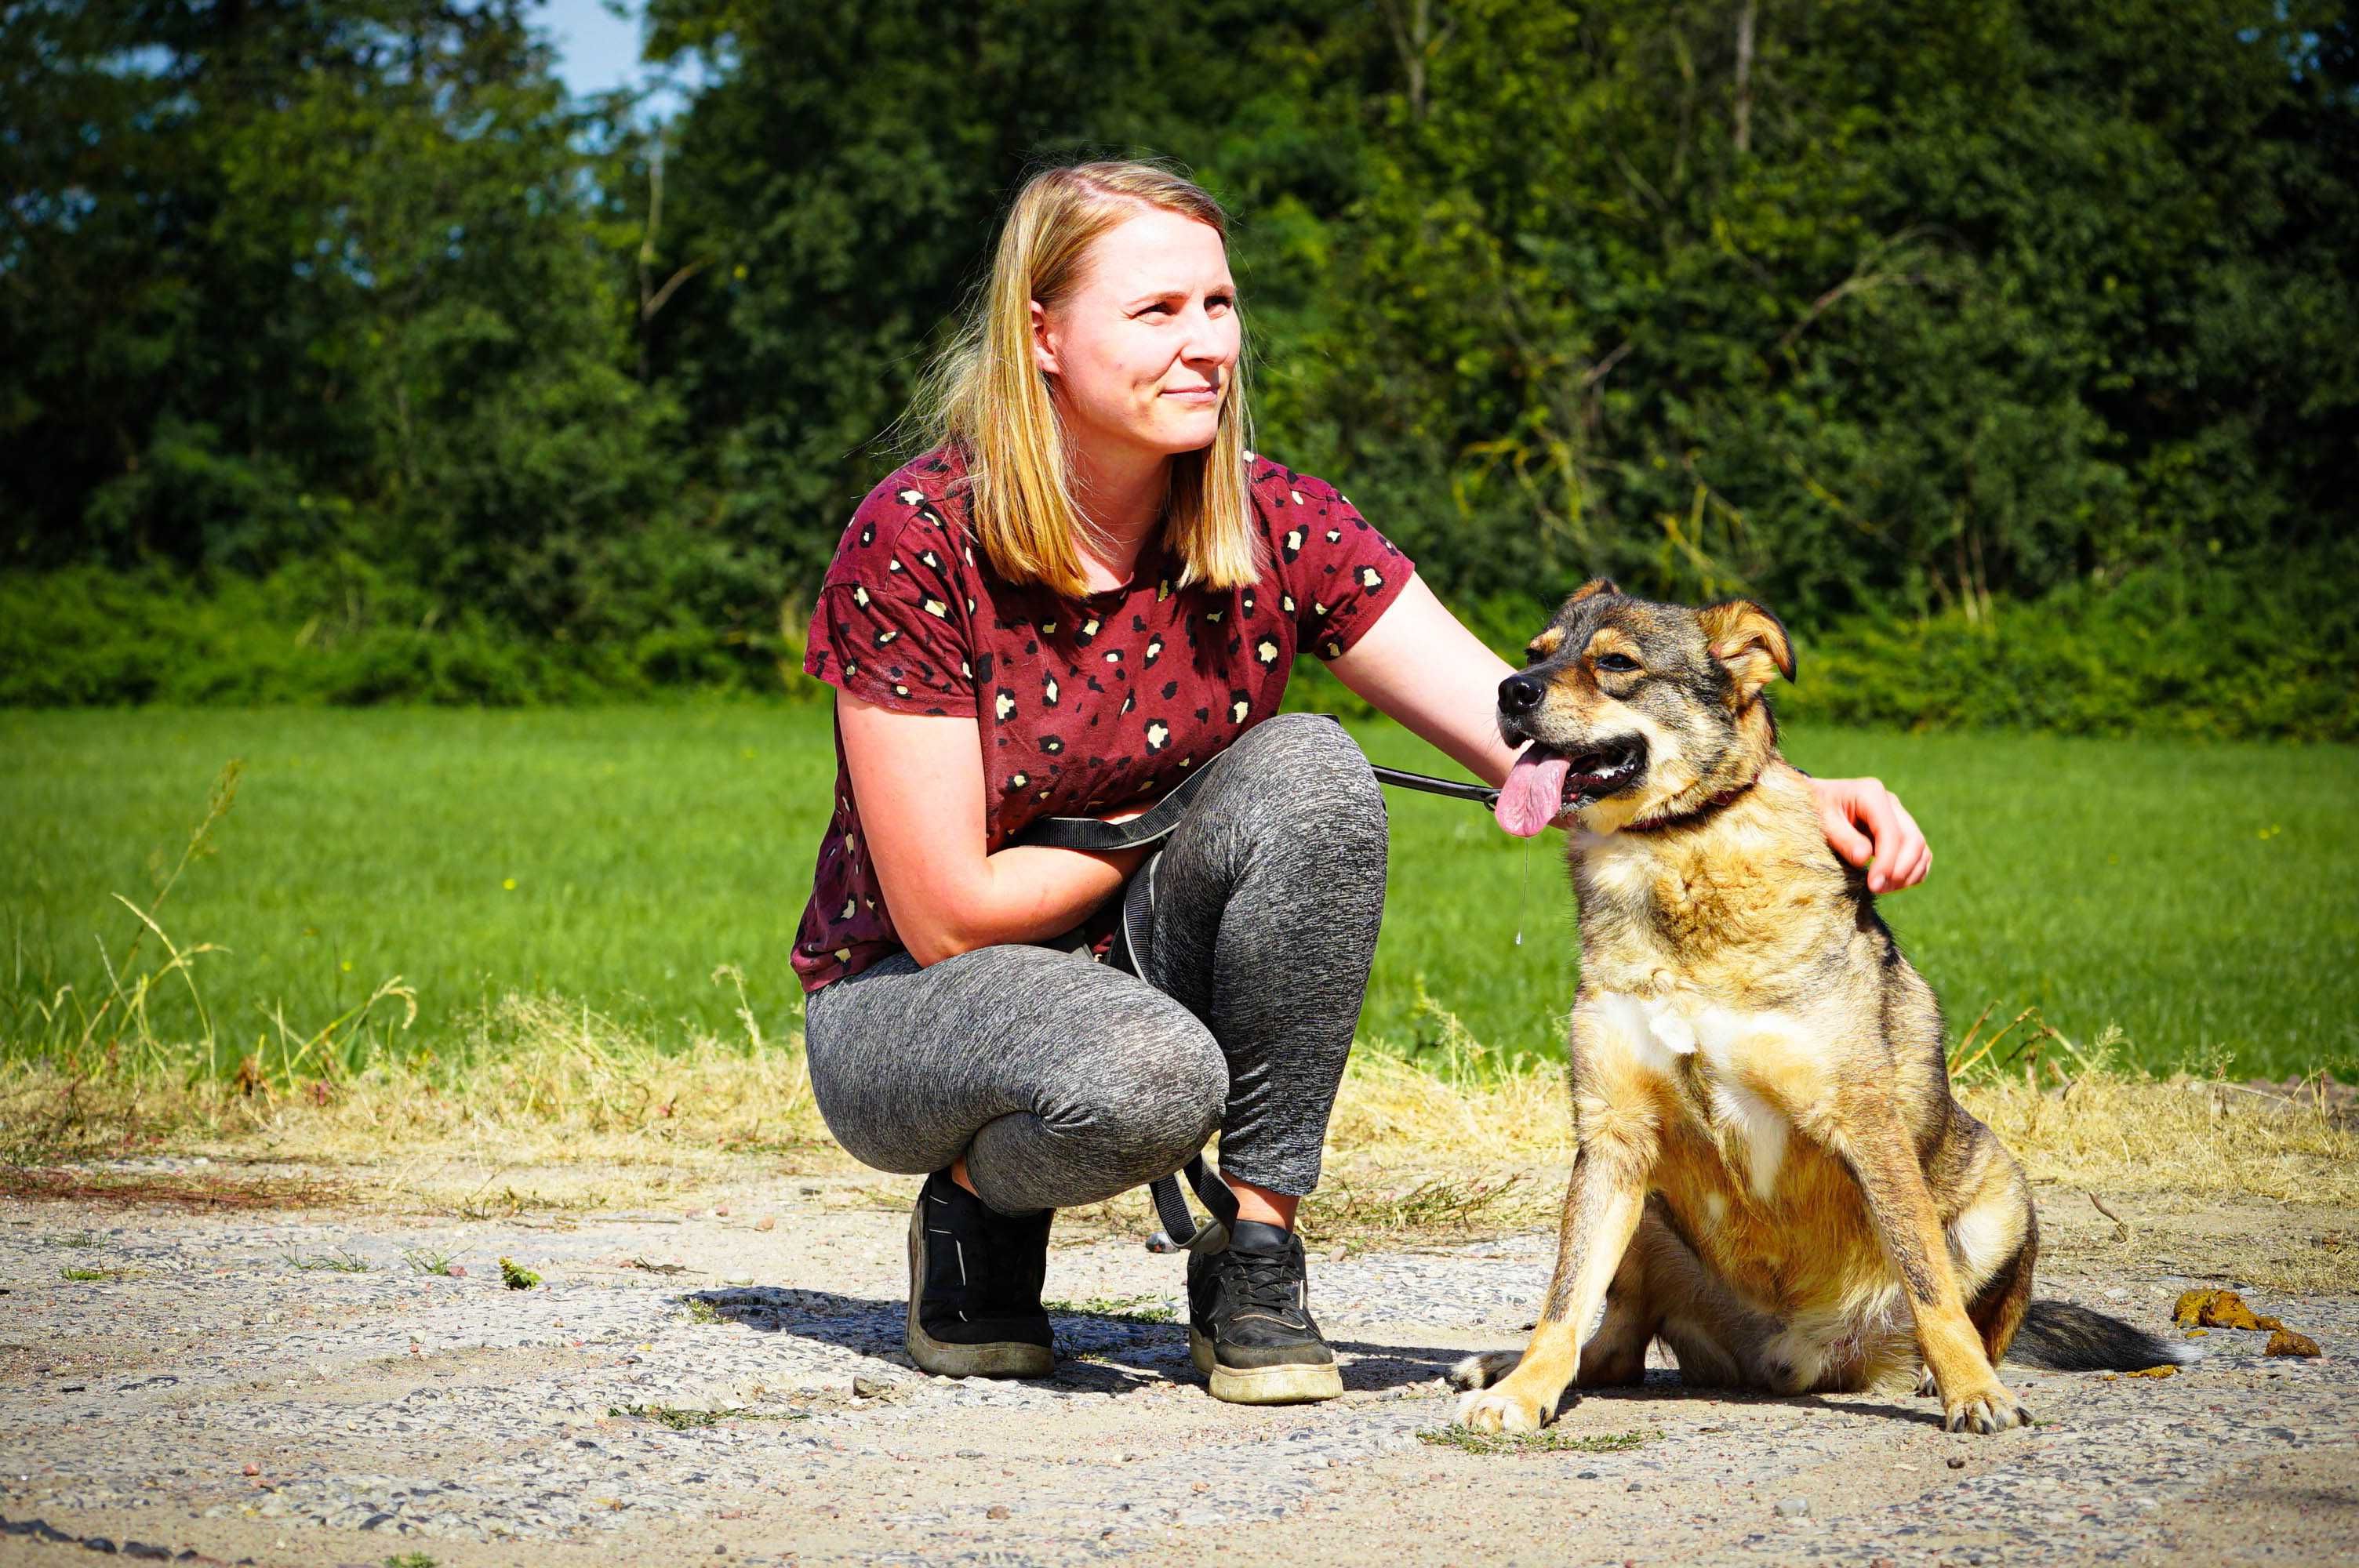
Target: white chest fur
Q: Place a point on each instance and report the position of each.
(1738, 1055)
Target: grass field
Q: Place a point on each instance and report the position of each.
(2205, 899)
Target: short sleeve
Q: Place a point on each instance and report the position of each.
(892, 625)
(1338, 570)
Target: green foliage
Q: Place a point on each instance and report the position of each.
(515, 1276)
(2260, 649)
(337, 628)
(334, 322)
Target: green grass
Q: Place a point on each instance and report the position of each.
(1547, 1439)
(679, 1418)
(338, 1261)
(2204, 897)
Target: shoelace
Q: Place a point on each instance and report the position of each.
(1266, 1282)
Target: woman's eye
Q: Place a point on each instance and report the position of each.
(1220, 302)
(1620, 663)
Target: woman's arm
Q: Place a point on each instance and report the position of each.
(919, 780)
(1436, 678)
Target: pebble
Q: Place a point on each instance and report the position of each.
(364, 1446)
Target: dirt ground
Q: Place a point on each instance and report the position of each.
(292, 1385)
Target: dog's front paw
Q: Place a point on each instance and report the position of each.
(1985, 1410)
(1484, 1368)
(1500, 1410)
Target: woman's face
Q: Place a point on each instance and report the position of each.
(1140, 354)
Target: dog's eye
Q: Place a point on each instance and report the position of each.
(1619, 662)
(1534, 654)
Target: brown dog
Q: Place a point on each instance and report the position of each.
(1772, 1175)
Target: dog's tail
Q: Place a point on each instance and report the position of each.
(2062, 1337)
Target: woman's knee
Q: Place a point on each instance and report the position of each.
(1303, 772)
(1148, 1097)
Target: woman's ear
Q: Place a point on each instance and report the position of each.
(1044, 349)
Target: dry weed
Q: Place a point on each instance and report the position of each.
(550, 1106)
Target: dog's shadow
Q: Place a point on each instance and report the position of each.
(1663, 1384)
(1096, 1351)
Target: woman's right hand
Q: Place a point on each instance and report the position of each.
(917, 780)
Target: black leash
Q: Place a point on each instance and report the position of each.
(1128, 953)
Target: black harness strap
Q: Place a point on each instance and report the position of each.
(1129, 954)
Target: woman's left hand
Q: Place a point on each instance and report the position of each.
(1867, 826)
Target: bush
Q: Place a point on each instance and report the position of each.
(2252, 649)
(339, 631)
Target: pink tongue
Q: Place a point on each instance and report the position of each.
(1533, 794)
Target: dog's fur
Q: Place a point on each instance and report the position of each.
(1772, 1175)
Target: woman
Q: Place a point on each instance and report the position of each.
(1087, 591)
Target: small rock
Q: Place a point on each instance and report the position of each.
(766, 1223)
(1335, 1254)
(251, 1469)
(1794, 1507)
(1636, 1486)
(867, 1388)
(721, 1210)
(996, 1510)
(1883, 1563)
(1957, 1462)
(457, 1270)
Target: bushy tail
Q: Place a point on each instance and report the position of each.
(2067, 1338)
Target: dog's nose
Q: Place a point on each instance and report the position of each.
(1521, 694)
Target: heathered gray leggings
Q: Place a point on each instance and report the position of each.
(1064, 1081)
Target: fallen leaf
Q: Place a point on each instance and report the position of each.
(2156, 1372)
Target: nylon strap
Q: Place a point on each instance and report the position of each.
(1179, 1229)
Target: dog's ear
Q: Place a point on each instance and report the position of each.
(1750, 643)
(1592, 588)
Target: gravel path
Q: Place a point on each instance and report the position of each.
(224, 1392)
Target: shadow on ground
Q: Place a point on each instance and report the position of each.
(1095, 1350)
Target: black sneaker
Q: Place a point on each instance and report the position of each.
(1249, 1325)
(975, 1286)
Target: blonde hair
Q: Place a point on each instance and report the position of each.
(986, 395)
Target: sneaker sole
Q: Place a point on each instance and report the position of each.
(1300, 1383)
(1004, 1358)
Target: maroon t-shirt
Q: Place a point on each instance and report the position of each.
(1085, 705)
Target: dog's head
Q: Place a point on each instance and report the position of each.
(1636, 711)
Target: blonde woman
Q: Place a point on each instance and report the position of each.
(1088, 591)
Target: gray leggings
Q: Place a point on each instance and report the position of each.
(1063, 1081)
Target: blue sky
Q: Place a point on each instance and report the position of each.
(598, 50)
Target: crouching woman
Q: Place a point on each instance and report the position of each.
(1088, 591)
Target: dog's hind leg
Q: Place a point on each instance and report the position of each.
(1882, 1156)
(1998, 1283)
(1613, 1356)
